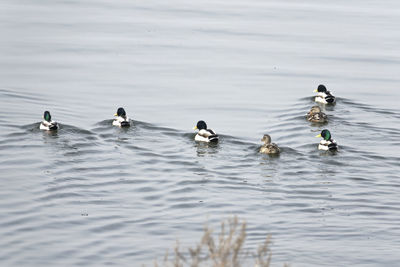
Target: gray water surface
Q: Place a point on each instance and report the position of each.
(94, 195)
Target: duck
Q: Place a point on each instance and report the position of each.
(121, 119)
(316, 115)
(327, 143)
(204, 134)
(47, 124)
(324, 96)
(268, 147)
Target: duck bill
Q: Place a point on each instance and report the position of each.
(318, 135)
(315, 91)
(115, 114)
(195, 128)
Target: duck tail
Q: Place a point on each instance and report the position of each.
(53, 126)
(330, 100)
(332, 147)
(125, 124)
(213, 138)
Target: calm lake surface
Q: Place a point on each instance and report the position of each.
(94, 195)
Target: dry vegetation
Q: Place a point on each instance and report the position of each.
(226, 251)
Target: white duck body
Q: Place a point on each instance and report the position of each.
(206, 135)
(325, 98)
(320, 98)
(326, 145)
(121, 121)
(48, 126)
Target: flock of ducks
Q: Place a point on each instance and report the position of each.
(208, 135)
(316, 115)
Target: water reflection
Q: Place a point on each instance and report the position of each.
(205, 149)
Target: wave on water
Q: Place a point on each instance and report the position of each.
(25, 96)
(116, 182)
(369, 108)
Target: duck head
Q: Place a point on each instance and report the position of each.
(200, 125)
(326, 134)
(315, 109)
(321, 89)
(47, 116)
(266, 139)
(121, 113)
